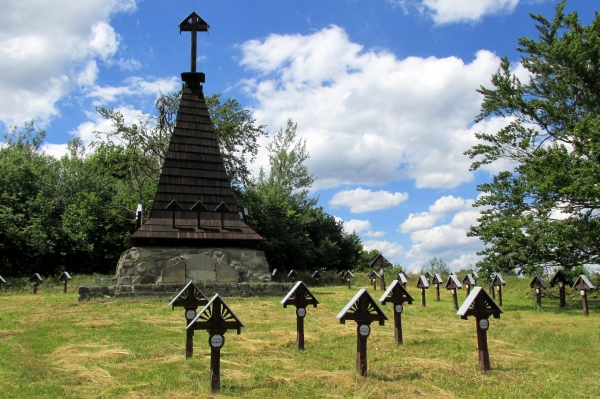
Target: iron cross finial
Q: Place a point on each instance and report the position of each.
(193, 23)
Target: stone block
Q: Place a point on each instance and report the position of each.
(200, 268)
(227, 274)
(174, 274)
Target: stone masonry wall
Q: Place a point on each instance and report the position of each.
(165, 265)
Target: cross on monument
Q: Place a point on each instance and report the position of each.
(193, 23)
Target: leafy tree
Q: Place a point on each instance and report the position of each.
(545, 211)
(437, 266)
(296, 233)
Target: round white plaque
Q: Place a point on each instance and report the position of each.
(216, 341)
(497, 288)
(582, 292)
(301, 312)
(364, 330)
(484, 324)
(190, 314)
(537, 290)
(453, 291)
(399, 308)
(560, 284)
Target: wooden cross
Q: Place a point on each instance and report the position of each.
(561, 279)
(364, 310)
(482, 306)
(397, 295)
(193, 23)
(300, 296)
(189, 298)
(216, 317)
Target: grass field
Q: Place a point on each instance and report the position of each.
(52, 346)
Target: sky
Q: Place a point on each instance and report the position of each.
(383, 92)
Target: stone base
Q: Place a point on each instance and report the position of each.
(177, 265)
(170, 290)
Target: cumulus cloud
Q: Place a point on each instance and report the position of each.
(388, 249)
(360, 200)
(42, 58)
(134, 86)
(447, 241)
(369, 117)
(452, 11)
(359, 227)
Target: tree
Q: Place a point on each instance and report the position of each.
(437, 266)
(545, 211)
(296, 233)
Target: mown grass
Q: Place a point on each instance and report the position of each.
(53, 346)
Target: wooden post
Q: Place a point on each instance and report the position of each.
(437, 292)
(382, 279)
(423, 302)
(584, 301)
(189, 298)
(562, 294)
(454, 298)
(36, 279)
(499, 288)
(362, 333)
(492, 291)
(300, 313)
(482, 345)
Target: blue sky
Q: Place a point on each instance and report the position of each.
(383, 91)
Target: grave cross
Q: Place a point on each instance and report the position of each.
(36, 279)
(216, 317)
(348, 276)
(498, 282)
(561, 279)
(538, 283)
(189, 298)
(469, 281)
(482, 306)
(65, 277)
(364, 310)
(437, 280)
(397, 295)
(300, 296)
(583, 284)
(423, 285)
(373, 276)
(2, 281)
(316, 276)
(452, 285)
(193, 23)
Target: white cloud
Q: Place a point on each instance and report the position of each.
(447, 241)
(96, 123)
(418, 221)
(359, 227)
(368, 117)
(56, 150)
(388, 249)
(360, 200)
(46, 54)
(450, 11)
(134, 86)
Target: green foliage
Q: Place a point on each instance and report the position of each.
(296, 233)
(545, 211)
(437, 266)
(56, 214)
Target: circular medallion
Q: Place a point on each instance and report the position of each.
(582, 292)
(190, 314)
(560, 284)
(537, 290)
(484, 324)
(216, 341)
(422, 290)
(497, 288)
(399, 308)
(364, 330)
(453, 291)
(301, 312)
